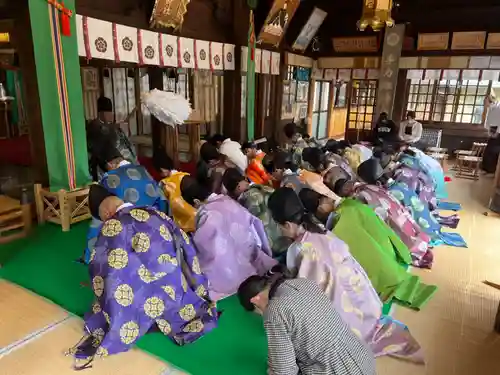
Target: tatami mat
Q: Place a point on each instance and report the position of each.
(23, 313)
(455, 329)
(45, 356)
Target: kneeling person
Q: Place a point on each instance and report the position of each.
(145, 275)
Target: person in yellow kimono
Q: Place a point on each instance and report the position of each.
(181, 211)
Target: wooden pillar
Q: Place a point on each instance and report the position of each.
(233, 126)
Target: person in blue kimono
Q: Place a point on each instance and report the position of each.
(371, 172)
(130, 182)
(145, 276)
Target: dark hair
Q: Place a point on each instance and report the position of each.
(268, 163)
(192, 190)
(161, 160)
(339, 184)
(284, 160)
(247, 145)
(310, 199)
(290, 129)
(208, 152)
(231, 178)
(370, 171)
(286, 206)
(410, 114)
(216, 138)
(409, 152)
(255, 284)
(104, 104)
(331, 146)
(315, 157)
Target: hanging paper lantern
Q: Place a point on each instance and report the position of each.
(376, 14)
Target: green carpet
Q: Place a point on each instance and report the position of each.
(45, 263)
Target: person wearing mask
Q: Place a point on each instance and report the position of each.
(145, 277)
(255, 170)
(385, 130)
(410, 130)
(232, 243)
(182, 212)
(305, 334)
(323, 258)
(232, 150)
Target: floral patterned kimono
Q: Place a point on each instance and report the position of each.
(432, 168)
(423, 216)
(400, 220)
(325, 259)
(423, 186)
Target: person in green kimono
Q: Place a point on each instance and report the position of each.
(378, 249)
(254, 198)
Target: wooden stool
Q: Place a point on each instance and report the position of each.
(15, 219)
(63, 207)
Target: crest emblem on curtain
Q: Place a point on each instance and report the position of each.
(169, 13)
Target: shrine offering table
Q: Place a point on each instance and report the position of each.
(15, 219)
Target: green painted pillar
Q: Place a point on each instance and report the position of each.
(60, 91)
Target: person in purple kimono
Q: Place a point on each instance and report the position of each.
(145, 276)
(322, 257)
(231, 243)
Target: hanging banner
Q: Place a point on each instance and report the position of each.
(309, 30)
(79, 35)
(244, 58)
(186, 53)
(266, 62)
(393, 44)
(275, 63)
(228, 51)
(258, 60)
(127, 44)
(99, 36)
(149, 48)
(169, 50)
(202, 54)
(216, 55)
(277, 21)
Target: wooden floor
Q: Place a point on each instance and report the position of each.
(456, 328)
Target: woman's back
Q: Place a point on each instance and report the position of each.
(301, 314)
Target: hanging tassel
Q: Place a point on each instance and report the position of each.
(65, 23)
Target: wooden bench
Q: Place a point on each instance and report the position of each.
(15, 219)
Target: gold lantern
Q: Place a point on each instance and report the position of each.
(169, 13)
(376, 14)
